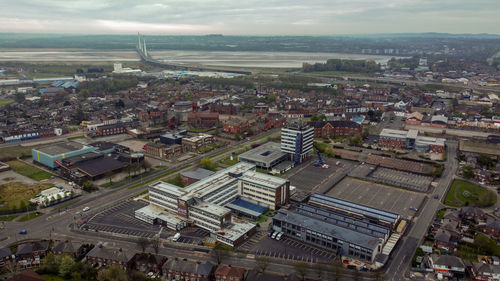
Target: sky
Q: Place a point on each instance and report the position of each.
(249, 17)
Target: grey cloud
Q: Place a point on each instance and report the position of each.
(251, 16)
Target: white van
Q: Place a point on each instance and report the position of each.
(176, 237)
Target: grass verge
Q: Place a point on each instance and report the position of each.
(8, 218)
(30, 216)
(29, 171)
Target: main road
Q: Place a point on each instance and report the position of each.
(404, 252)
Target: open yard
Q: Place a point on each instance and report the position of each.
(29, 171)
(13, 193)
(5, 102)
(464, 193)
(14, 151)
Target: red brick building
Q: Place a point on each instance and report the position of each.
(203, 119)
(331, 129)
(228, 272)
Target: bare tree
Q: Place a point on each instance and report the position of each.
(156, 243)
(319, 269)
(336, 268)
(262, 263)
(219, 254)
(143, 243)
(301, 269)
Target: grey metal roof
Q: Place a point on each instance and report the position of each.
(198, 174)
(60, 148)
(353, 207)
(345, 234)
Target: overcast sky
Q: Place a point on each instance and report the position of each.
(250, 17)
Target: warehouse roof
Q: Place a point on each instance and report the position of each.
(99, 166)
(335, 231)
(61, 147)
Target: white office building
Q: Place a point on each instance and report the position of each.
(297, 141)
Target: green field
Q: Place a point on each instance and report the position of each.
(14, 151)
(76, 137)
(5, 102)
(29, 171)
(8, 218)
(13, 193)
(30, 216)
(464, 193)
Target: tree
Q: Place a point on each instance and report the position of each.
(112, 273)
(216, 132)
(50, 264)
(467, 172)
(301, 269)
(206, 163)
(142, 243)
(79, 116)
(379, 275)
(19, 97)
(219, 254)
(83, 94)
(109, 175)
(336, 269)
(88, 186)
(319, 269)
(485, 244)
(147, 166)
(120, 103)
(487, 199)
(262, 263)
(156, 243)
(66, 266)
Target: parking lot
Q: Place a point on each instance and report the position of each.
(286, 248)
(193, 235)
(379, 196)
(398, 177)
(120, 219)
(316, 179)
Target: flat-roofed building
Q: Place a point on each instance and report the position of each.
(203, 202)
(265, 156)
(47, 155)
(297, 141)
(399, 139)
(349, 229)
(265, 189)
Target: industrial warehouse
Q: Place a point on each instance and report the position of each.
(208, 202)
(352, 230)
(80, 162)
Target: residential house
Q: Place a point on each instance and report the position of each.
(67, 248)
(5, 255)
(187, 270)
(229, 273)
(414, 118)
(484, 272)
(147, 262)
(443, 241)
(29, 254)
(473, 214)
(491, 228)
(449, 266)
(103, 256)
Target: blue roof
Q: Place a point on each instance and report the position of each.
(246, 206)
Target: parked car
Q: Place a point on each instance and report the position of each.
(270, 232)
(278, 237)
(23, 231)
(274, 235)
(86, 209)
(176, 237)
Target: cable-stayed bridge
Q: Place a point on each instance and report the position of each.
(146, 57)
